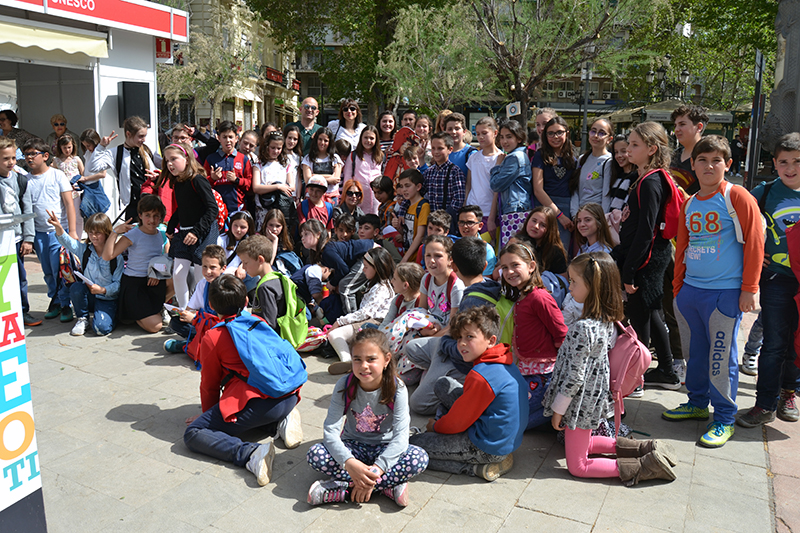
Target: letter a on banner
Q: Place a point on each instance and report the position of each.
(21, 503)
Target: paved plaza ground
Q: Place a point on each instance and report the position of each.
(110, 415)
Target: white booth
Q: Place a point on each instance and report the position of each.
(70, 57)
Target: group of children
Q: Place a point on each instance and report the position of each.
(431, 310)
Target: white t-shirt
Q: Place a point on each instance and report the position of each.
(46, 192)
(339, 132)
(324, 167)
(293, 161)
(99, 160)
(438, 303)
(272, 173)
(480, 193)
(233, 262)
(196, 301)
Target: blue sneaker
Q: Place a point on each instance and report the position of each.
(717, 435)
(174, 346)
(685, 411)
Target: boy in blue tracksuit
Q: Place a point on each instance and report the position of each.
(717, 265)
(485, 417)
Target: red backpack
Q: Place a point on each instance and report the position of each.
(627, 360)
(669, 218)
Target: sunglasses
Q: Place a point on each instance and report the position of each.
(353, 193)
(352, 109)
(33, 154)
(311, 107)
(59, 123)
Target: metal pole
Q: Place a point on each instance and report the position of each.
(753, 146)
(585, 129)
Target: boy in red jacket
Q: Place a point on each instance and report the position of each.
(487, 416)
(241, 407)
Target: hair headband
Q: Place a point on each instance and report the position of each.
(530, 252)
(182, 149)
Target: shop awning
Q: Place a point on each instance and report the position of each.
(50, 39)
(248, 95)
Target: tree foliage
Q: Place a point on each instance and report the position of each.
(434, 60)
(210, 71)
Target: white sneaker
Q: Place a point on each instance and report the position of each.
(165, 318)
(290, 429)
(80, 326)
(750, 364)
(679, 366)
(260, 463)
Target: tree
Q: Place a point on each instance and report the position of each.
(434, 59)
(362, 27)
(210, 71)
(527, 43)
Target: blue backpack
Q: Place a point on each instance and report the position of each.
(275, 367)
(557, 286)
(288, 262)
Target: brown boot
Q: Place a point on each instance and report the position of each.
(639, 448)
(654, 465)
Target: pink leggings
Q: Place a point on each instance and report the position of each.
(579, 443)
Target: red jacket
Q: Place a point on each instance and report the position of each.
(538, 327)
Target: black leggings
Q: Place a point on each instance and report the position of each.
(649, 326)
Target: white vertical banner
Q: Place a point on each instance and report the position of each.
(19, 456)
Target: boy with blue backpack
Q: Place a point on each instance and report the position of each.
(260, 376)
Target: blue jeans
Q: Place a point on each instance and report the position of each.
(756, 337)
(709, 324)
(180, 328)
(23, 280)
(84, 302)
(776, 369)
(537, 385)
(212, 436)
(47, 248)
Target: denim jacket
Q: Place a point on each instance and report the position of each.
(97, 270)
(512, 179)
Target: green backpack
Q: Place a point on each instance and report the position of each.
(294, 324)
(505, 308)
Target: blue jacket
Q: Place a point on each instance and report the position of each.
(341, 256)
(97, 270)
(512, 179)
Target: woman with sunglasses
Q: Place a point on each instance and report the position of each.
(59, 124)
(348, 126)
(350, 201)
(552, 168)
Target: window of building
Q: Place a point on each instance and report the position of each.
(315, 87)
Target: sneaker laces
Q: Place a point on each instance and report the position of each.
(717, 429)
(788, 399)
(334, 495)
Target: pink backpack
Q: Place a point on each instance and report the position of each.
(628, 360)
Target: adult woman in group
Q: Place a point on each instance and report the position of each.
(8, 122)
(552, 168)
(387, 125)
(349, 125)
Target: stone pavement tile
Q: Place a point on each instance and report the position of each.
(746, 446)
(53, 444)
(71, 380)
(87, 462)
(545, 493)
(732, 476)
(149, 520)
(75, 356)
(444, 517)
(527, 520)
(726, 510)
(497, 498)
(617, 524)
(94, 427)
(186, 385)
(787, 512)
(41, 396)
(126, 480)
(651, 502)
(379, 514)
(42, 368)
(72, 506)
(204, 498)
(110, 365)
(146, 376)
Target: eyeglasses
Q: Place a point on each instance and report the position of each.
(31, 155)
(559, 133)
(467, 223)
(597, 133)
(352, 109)
(311, 107)
(59, 123)
(353, 193)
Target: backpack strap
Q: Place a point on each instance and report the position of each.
(304, 208)
(451, 280)
(762, 202)
(398, 301)
(118, 159)
(85, 259)
(348, 400)
(329, 207)
(737, 225)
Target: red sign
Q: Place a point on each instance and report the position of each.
(296, 85)
(273, 75)
(133, 15)
(163, 48)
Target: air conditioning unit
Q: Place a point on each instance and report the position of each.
(570, 94)
(606, 96)
(562, 94)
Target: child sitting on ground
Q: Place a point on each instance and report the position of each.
(369, 227)
(579, 396)
(96, 301)
(486, 417)
(370, 453)
(438, 224)
(240, 407)
(198, 315)
(405, 282)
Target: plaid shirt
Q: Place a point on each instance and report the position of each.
(435, 177)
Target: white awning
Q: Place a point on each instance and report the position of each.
(248, 95)
(50, 39)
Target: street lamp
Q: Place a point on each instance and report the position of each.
(660, 75)
(587, 76)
